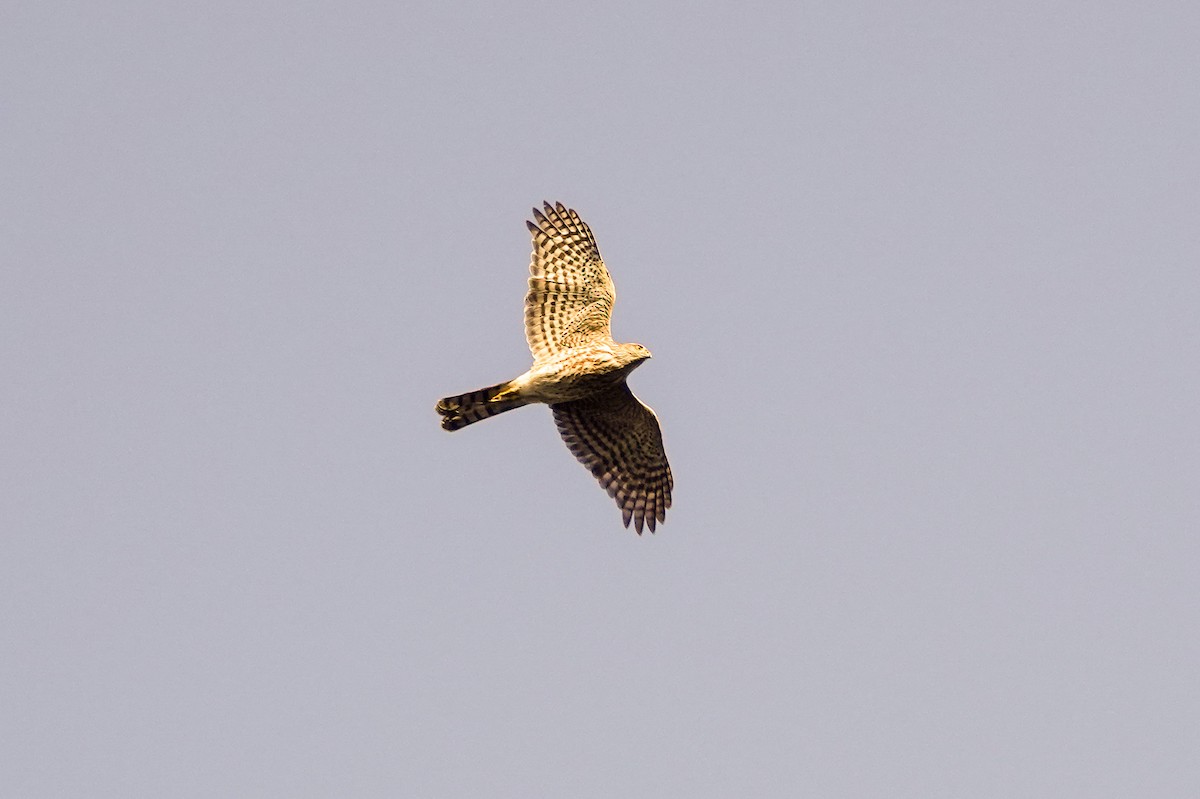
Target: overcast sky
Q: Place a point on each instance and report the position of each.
(922, 285)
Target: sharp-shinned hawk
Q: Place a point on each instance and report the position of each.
(579, 371)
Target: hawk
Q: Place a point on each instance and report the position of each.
(579, 371)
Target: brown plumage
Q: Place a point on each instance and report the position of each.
(580, 372)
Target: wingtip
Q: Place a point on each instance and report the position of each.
(555, 209)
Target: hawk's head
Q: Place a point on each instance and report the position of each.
(633, 353)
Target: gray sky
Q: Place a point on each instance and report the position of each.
(921, 283)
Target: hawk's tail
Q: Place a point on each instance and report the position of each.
(458, 412)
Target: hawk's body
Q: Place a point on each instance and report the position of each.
(579, 371)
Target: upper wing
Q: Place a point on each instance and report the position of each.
(617, 437)
(570, 294)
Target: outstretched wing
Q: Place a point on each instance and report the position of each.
(570, 296)
(618, 439)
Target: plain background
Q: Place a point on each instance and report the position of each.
(921, 282)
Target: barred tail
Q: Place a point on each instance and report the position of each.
(458, 412)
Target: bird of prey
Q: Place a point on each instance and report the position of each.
(579, 371)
